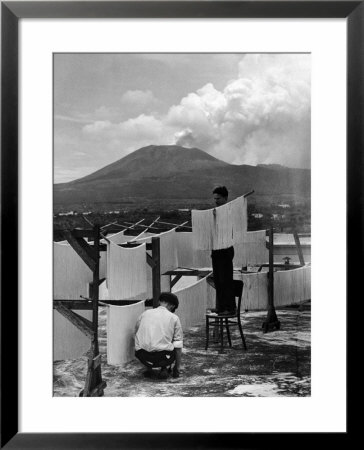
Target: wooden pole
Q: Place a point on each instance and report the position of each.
(271, 321)
(271, 269)
(248, 193)
(94, 386)
(299, 249)
(156, 270)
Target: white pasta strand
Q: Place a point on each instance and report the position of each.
(184, 246)
(68, 341)
(239, 218)
(168, 249)
(252, 250)
(192, 303)
(290, 287)
(121, 321)
(211, 296)
(71, 274)
(71, 279)
(126, 272)
(220, 227)
(118, 238)
(255, 291)
(103, 291)
(212, 229)
(202, 259)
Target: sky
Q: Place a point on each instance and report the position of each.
(241, 108)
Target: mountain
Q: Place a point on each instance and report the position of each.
(156, 161)
(174, 172)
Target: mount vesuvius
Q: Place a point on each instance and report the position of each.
(174, 172)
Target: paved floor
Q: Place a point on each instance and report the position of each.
(277, 363)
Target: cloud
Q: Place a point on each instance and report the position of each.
(129, 135)
(261, 116)
(138, 102)
(72, 119)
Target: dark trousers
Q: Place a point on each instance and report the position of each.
(156, 359)
(222, 266)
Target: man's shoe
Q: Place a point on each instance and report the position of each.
(163, 374)
(175, 373)
(148, 373)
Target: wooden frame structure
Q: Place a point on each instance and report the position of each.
(272, 321)
(90, 254)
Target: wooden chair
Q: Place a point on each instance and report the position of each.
(231, 320)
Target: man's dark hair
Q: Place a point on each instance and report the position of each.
(170, 298)
(221, 190)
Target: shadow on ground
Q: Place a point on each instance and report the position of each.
(277, 363)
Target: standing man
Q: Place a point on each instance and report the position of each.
(222, 266)
(159, 337)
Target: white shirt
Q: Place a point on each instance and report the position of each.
(158, 329)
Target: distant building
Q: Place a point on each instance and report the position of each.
(277, 216)
(284, 205)
(257, 215)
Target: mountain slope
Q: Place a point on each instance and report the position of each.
(157, 161)
(173, 172)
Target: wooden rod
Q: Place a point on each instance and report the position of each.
(299, 249)
(156, 270)
(175, 224)
(87, 220)
(96, 281)
(175, 280)
(153, 222)
(108, 225)
(248, 193)
(271, 270)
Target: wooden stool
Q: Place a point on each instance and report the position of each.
(217, 321)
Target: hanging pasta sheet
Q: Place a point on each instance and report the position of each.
(192, 303)
(118, 238)
(240, 219)
(212, 228)
(184, 246)
(71, 275)
(121, 322)
(126, 272)
(168, 258)
(255, 290)
(220, 227)
(292, 286)
(71, 278)
(68, 341)
(168, 249)
(252, 250)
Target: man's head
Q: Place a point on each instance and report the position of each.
(220, 195)
(169, 301)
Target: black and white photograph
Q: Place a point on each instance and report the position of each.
(181, 200)
(182, 224)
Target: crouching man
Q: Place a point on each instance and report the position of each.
(159, 337)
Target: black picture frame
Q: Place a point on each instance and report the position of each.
(11, 13)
